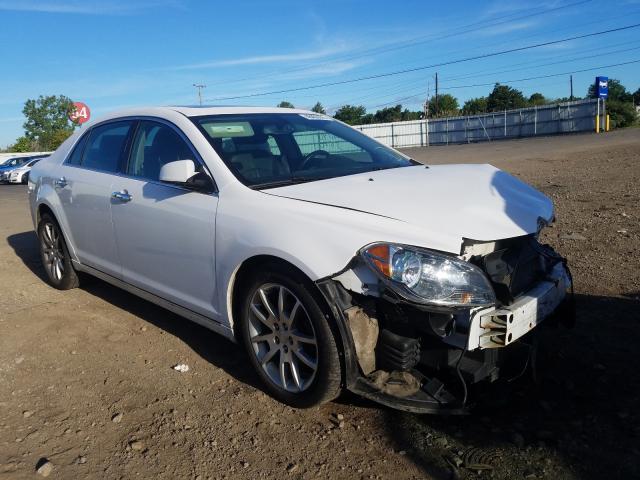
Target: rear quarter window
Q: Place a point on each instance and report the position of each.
(76, 154)
(105, 146)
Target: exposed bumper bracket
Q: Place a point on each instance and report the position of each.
(500, 327)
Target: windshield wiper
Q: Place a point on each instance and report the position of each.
(284, 182)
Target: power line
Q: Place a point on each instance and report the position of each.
(426, 67)
(464, 29)
(536, 64)
(506, 82)
(402, 86)
(544, 76)
(570, 30)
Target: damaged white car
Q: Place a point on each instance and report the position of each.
(335, 261)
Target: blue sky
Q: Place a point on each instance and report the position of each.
(117, 53)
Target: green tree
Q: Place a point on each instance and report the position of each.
(617, 91)
(285, 104)
(23, 144)
(447, 106)
(504, 97)
(318, 108)
(388, 114)
(622, 114)
(48, 124)
(366, 119)
(636, 97)
(474, 106)
(537, 99)
(350, 114)
(409, 115)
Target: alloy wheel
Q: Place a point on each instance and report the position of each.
(283, 338)
(53, 252)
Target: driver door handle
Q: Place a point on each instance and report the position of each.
(60, 182)
(122, 196)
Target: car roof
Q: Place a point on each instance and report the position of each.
(196, 111)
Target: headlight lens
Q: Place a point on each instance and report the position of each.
(429, 277)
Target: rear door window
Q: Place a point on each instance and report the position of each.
(105, 146)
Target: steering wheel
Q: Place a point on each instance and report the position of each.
(315, 155)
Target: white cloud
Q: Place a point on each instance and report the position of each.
(326, 69)
(507, 28)
(87, 7)
(265, 59)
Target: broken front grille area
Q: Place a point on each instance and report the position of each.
(514, 267)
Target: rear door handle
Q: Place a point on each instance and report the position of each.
(61, 182)
(122, 196)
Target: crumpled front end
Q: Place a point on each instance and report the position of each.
(426, 358)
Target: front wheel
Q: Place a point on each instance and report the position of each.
(289, 340)
(55, 255)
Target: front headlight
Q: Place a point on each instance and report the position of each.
(428, 277)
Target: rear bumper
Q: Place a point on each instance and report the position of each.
(434, 375)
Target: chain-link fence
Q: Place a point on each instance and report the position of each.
(570, 117)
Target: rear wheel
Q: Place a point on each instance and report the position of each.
(55, 255)
(289, 340)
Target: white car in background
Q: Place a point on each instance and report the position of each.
(19, 174)
(337, 262)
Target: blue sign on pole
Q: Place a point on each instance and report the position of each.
(602, 87)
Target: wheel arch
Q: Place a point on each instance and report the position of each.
(44, 208)
(242, 273)
(252, 264)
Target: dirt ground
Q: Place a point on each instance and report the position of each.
(86, 378)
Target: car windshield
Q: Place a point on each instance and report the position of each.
(266, 150)
(14, 162)
(33, 162)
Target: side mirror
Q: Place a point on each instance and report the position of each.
(177, 172)
(183, 173)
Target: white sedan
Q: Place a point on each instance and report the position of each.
(335, 261)
(19, 174)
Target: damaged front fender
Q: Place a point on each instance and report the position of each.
(360, 334)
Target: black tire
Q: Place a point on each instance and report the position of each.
(25, 178)
(325, 383)
(55, 255)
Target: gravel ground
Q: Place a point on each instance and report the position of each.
(87, 384)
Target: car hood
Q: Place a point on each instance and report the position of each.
(455, 202)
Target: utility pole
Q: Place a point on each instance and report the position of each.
(426, 103)
(571, 86)
(437, 110)
(199, 87)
